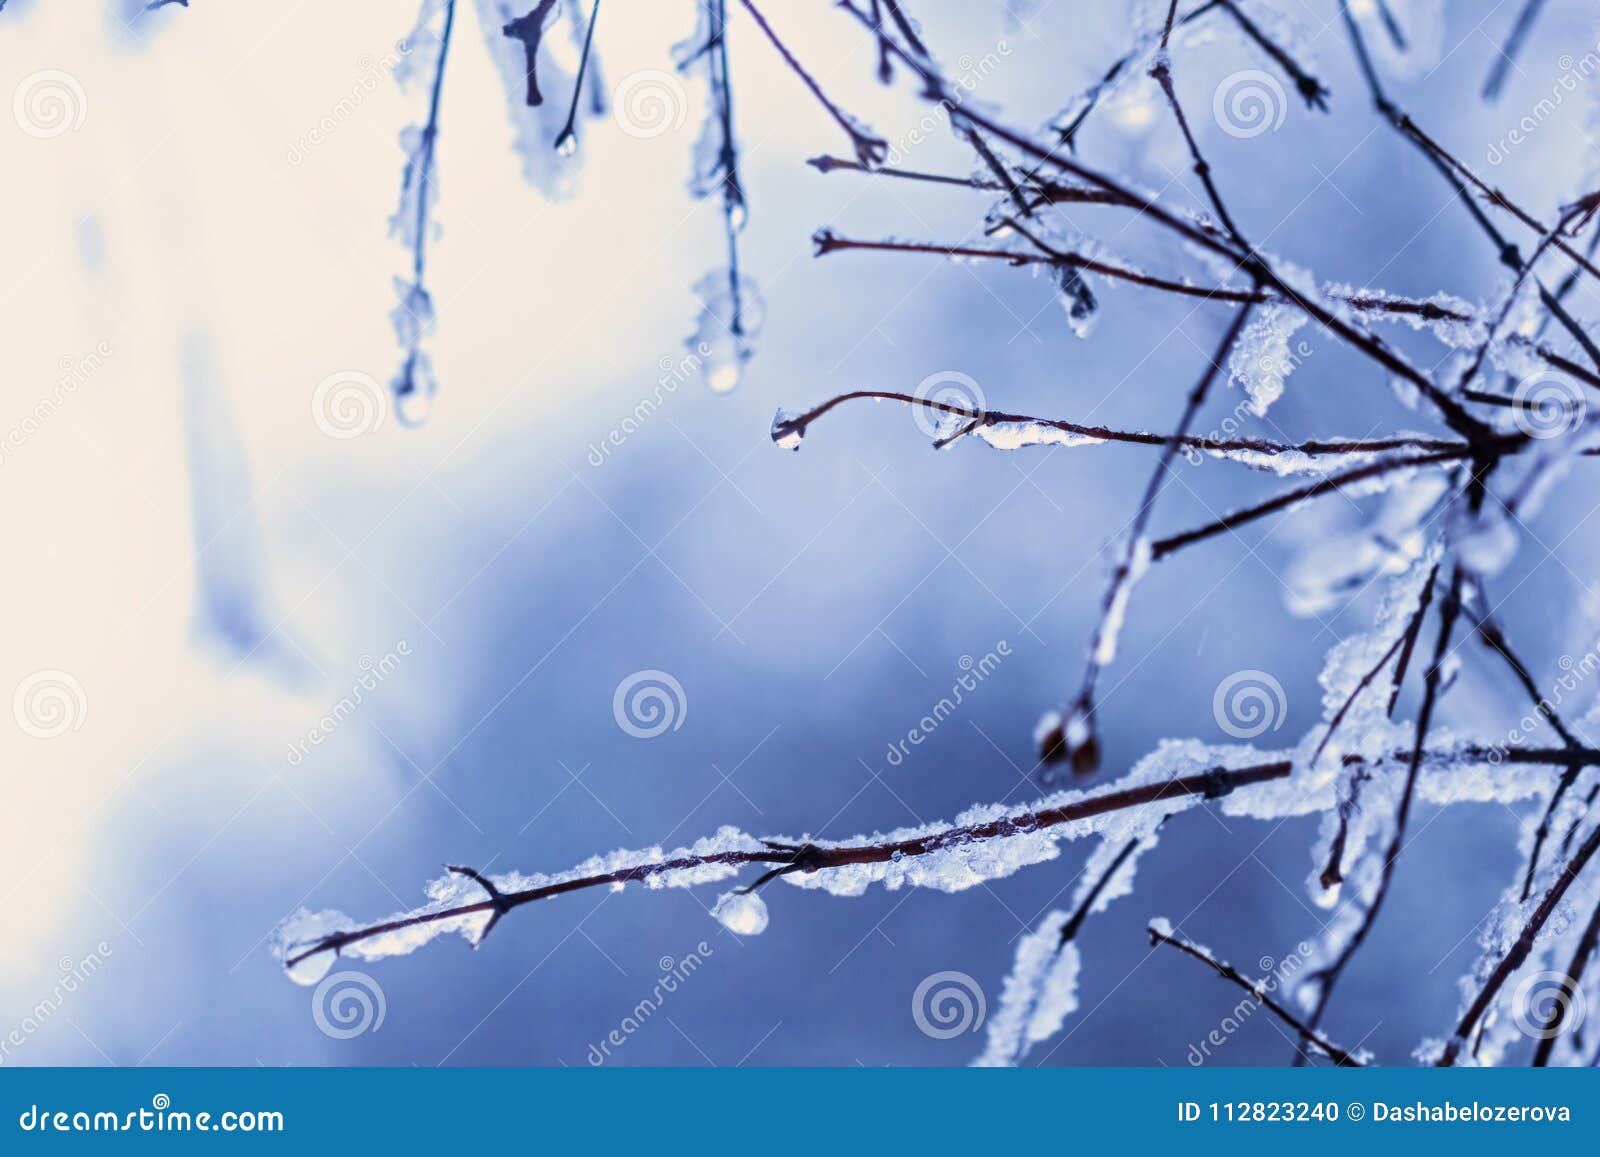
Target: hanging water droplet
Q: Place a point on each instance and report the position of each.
(738, 215)
(786, 431)
(414, 407)
(312, 969)
(1079, 301)
(741, 913)
(724, 376)
(567, 143)
(413, 388)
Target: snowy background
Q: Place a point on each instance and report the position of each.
(215, 572)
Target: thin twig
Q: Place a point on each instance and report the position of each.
(1228, 972)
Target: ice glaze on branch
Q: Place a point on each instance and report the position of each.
(937, 90)
(1520, 948)
(1051, 818)
(789, 428)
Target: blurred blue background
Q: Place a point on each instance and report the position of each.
(212, 569)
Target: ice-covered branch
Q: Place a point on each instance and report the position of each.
(1520, 948)
(731, 309)
(987, 842)
(1007, 431)
(1308, 298)
(1328, 976)
(1582, 956)
(1448, 319)
(413, 385)
(1463, 179)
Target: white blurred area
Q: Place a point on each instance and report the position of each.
(176, 212)
(217, 267)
